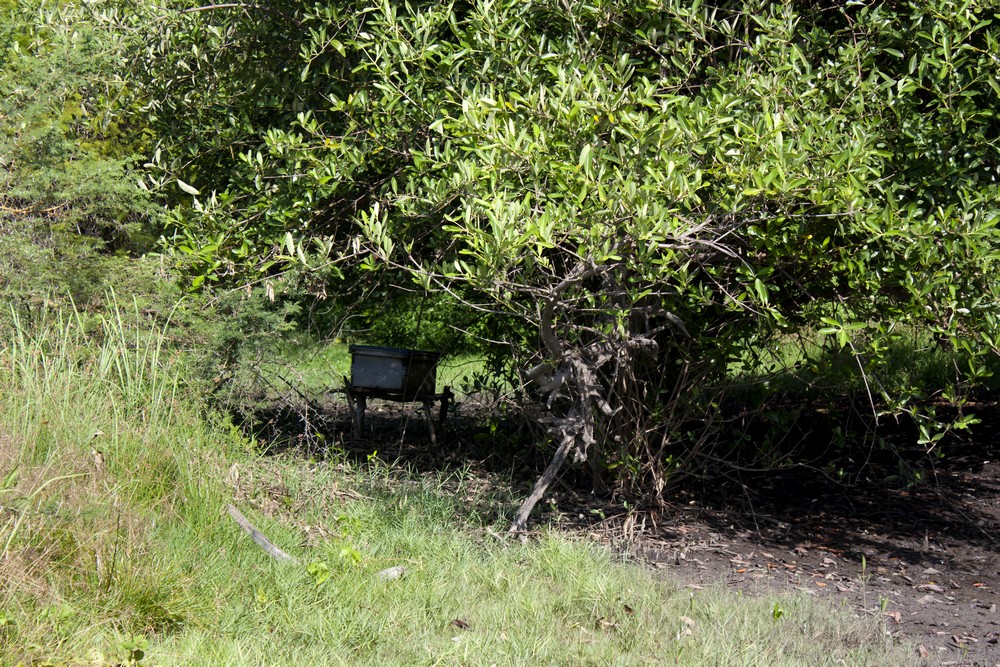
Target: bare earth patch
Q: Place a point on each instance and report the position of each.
(924, 559)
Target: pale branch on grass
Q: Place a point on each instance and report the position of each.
(267, 545)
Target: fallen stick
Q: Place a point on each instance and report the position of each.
(258, 537)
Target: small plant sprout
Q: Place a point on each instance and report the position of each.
(349, 554)
(319, 571)
(134, 650)
(777, 612)
(261, 600)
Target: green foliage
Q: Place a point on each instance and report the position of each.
(134, 650)
(63, 160)
(45, 269)
(70, 214)
(210, 83)
(405, 317)
(638, 196)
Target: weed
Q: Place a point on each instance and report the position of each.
(134, 649)
(319, 571)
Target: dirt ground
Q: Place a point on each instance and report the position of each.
(922, 556)
(924, 560)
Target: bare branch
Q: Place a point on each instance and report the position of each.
(267, 545)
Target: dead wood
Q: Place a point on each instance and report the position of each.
(520, 523)
(267, 545)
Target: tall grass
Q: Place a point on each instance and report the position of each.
(97, 452)
(116, 547)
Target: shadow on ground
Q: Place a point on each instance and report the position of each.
(895, 533)
(921, 554)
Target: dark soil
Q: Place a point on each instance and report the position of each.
(921, 556)
(925, 560)
(905, 537)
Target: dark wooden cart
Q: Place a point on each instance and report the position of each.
(395, 374)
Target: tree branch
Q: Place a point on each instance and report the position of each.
(520, 523)
(267, 545)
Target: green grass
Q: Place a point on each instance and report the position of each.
(116, 547)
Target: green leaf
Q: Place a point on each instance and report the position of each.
(761, 290)
(190, 189)
(585, 158)
(9, 480)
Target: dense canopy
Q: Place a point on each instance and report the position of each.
(643, 200)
